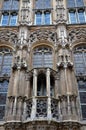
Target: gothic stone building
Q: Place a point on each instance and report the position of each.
(42, 64)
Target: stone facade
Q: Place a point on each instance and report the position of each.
(27, 106)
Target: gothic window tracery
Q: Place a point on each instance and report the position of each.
(76, 11)
(80, 69)
(5, 69)
(9, 12)
(42, 12)
(42, 57)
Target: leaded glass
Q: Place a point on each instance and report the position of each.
(71, 3)
(43, 4)
(6, 68)
(7, 5)
(80, 67)
(3, 86)
(82, 85)
(83, 107)
(79, 63)
(82, 97)
(10, 4)
(42, 57)
(2, 111)
(15, 4)
(79, 3)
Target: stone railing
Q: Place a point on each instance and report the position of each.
(42, 108)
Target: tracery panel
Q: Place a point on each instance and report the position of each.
(5, 69)
(80, 68)
(42, 57)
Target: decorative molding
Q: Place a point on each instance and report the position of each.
(77, 34)
(40, 35)
(9, 36)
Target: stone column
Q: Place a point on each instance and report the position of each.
(48, 93)
(15, 105)
(19, 112)
(48, 82)
(57, 90)
(24, 110)
(35, 82)
(28, 89)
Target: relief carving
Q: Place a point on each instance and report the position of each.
(77, 34)
(43, 35)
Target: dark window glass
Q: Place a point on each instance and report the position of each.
(42, 57)
(82, 97)
(41, 85)
(82, 85)
(3, 94)
(83, 107)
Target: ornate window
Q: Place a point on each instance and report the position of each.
(76, 11)
(42, 57)
(42, 12)
(80, 68)
(9, 12)
(5, 69)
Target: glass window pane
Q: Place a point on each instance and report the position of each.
(71, 3)
(82, 97)
(7, 5)
(47, 17)
(79, 63)
(72, 16)
(5, 18)
(83, 107)
(2, 111)
(43, 4)
(15, 5)
(42, 57)
(13, 20)
(82, 85)
(38, 18)
(79, 3)
(81, 16)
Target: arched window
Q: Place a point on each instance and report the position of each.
(42, 12)
(10, 12)
(5, 69)
(42, 57)
(80, 69)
